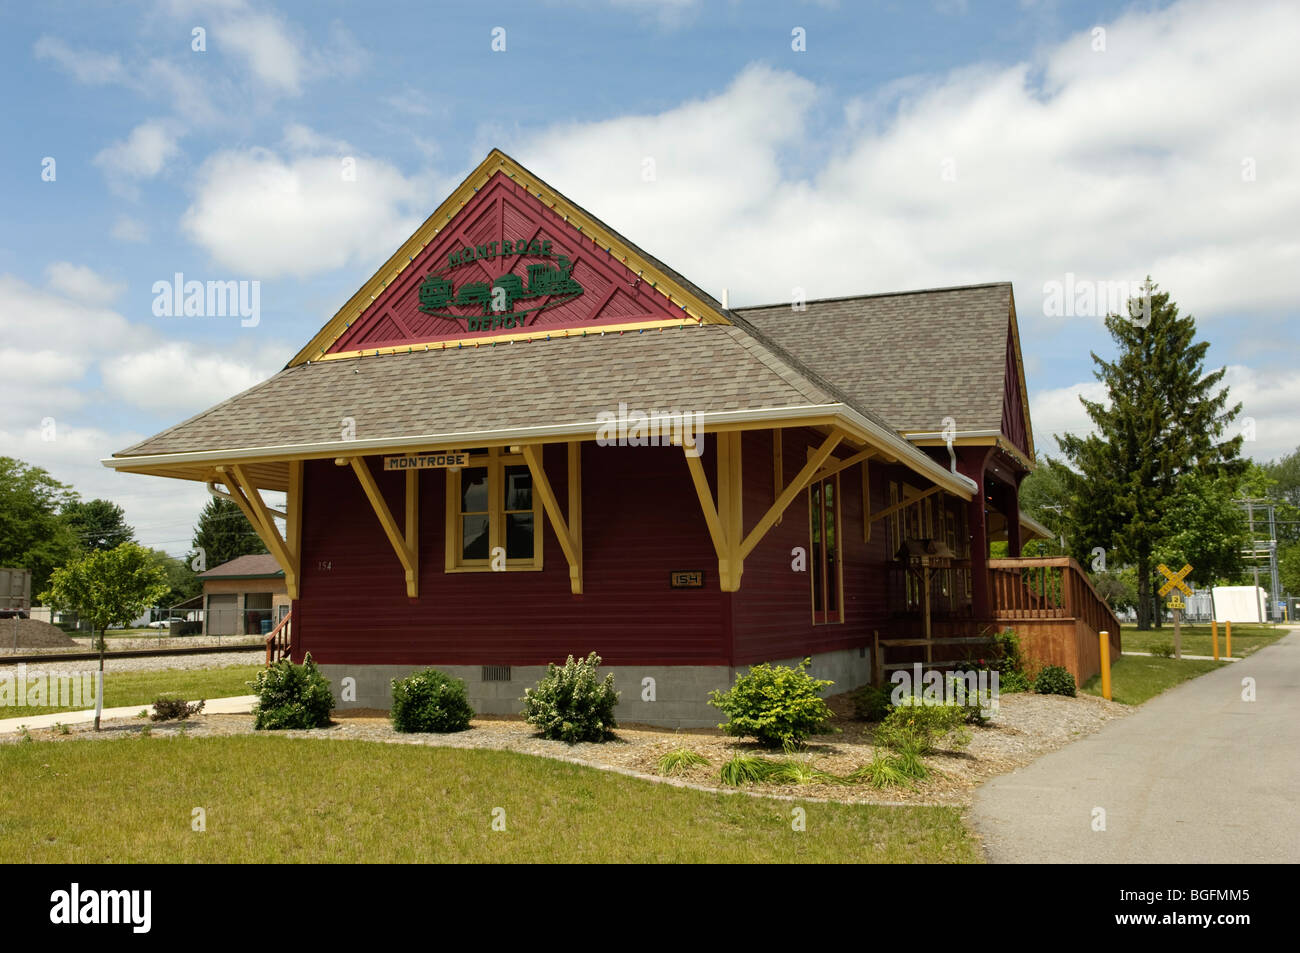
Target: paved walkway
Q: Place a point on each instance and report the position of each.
(1196, 775)
(235, 705)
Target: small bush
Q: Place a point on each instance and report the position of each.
(746, 769)
(798, 772)
(1163, 649)
(917, 727)
(430, 701)
(292, 696)
(174, 709)
(776, 704)
(1012, 682)
(1054, 680)
(871, 703)
(570, 704)
(680, 761)
(889, 771)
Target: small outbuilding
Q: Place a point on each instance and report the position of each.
(245, 596)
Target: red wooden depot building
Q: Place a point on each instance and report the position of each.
(525, 438)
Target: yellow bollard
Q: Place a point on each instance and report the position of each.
(1214, 628)
(1227, 628)
(1104, 636)
(1214, 638)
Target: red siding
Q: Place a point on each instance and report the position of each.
(641, 520)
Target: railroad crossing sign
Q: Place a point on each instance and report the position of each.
(1176, 602)
(1175, 580)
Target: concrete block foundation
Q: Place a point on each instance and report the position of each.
(665, 696)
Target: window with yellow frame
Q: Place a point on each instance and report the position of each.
(493, 511)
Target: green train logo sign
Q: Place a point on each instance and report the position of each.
(496, 299)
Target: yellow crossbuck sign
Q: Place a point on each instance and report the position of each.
(1175, 579)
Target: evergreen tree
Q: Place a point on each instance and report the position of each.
(223, 532)
(98, 524)
(1164, 418)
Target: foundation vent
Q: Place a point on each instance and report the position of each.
(496, 673)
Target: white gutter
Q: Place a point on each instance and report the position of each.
(871, 431)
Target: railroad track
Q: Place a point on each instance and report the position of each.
(6, 659)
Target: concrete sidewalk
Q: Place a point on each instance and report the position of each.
(234, 705)
(1196, 775)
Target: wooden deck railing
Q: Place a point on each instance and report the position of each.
(1052, 603)
(278, 640)
(1051, 587)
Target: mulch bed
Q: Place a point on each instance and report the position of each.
(1026, 727)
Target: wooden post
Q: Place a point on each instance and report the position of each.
(1227, 630)
(1178, 633)
(877, 663)
(925, 611)
(1214, 629)
(1104, 636)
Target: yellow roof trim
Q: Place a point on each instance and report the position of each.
(695, 309)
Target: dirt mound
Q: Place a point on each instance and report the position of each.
(34, 634)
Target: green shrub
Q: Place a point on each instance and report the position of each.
(1011, 682)
(746, 769)
(890, 770)
(1163, 649)
(292, 696)
(776, 704)
(570, 704)
(1054, 680)
(871, 703)
(167, 708)
(798, 772)
(430, 701)
(680, 760)
(918, 727)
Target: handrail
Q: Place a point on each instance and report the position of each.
(277, 646)
(1071, 595)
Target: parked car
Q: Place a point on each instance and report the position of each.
(163, 623)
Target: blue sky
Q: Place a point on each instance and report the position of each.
(909, 145)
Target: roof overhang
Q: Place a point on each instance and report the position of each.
(965, 438)
(201, 464)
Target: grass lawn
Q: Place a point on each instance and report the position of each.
(281, 800)
(143, 688)
(1196, 639)
(1135, 678)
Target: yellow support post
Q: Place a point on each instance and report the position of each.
(1214, 641)
(1227, 631)
(1105, 663)
(1214, 629)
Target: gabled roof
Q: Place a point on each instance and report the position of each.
(734, 367)
(256, 566)
(695, 305)
(913, 357)
(562, 382)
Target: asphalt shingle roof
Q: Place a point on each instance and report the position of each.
(707, 368)
(911, 358)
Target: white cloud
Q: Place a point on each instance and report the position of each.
(1109, 165)
(142, 155)
(86, 66)
(127, 229)
(179, 378)
(1268, 398)
(265, 215)
(1058, 411)
(82, 283)
(273, 56)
